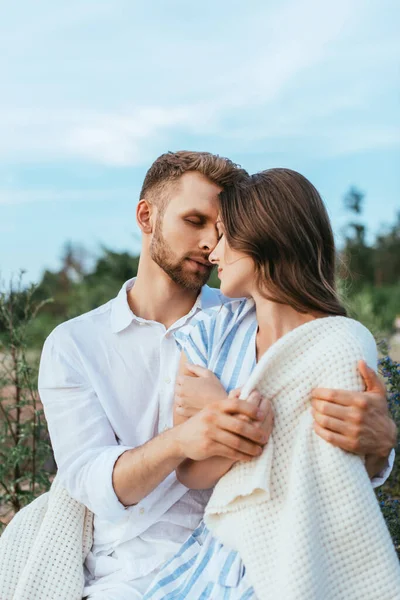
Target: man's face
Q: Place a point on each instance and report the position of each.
(186, 233)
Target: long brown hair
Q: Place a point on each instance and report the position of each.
(279, 219)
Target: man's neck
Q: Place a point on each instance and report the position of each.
(155, 297)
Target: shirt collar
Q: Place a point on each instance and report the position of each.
(122, 316)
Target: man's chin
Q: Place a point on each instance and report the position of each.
(194, 280)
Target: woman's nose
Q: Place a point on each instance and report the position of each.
(213, 258)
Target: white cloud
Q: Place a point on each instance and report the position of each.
(23, 196)
(286, 72)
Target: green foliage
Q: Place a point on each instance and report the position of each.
(375, 307)
(25, 449)
(389, 495)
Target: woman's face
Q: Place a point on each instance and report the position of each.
(235, 269)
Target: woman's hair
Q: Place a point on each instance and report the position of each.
(278, 218)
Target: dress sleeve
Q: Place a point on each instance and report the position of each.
(84, 444)
(194, 339)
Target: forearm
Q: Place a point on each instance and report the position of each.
(204, 474)
(139, 471)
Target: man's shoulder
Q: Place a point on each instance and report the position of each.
(84, 325)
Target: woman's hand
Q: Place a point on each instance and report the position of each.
(263, 404)
(195, 389)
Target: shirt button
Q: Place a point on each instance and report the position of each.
(167, 380)
(165, 427)
(141, 511)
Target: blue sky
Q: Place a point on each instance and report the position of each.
(93, 91)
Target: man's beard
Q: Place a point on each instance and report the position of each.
(174, 267)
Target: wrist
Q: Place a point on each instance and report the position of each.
(176, 444)
(390, 442)
(375, 465)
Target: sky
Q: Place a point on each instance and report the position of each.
(93, 91)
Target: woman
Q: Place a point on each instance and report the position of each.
(276, 250)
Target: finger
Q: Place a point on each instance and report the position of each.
(266, 406)
(235, 394)
(228, 452)
(183, 397)
(246, 419)
(242, 407)
(342, 397)
(185, 411)
(249, 431)
(236, 442)
(254, 398)
(331, 410)
(336, 439)
(371, 379)
(197, 370)
(268, 422)
(335, 425)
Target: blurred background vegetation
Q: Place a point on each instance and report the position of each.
(369, 280)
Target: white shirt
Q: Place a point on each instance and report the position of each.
(106, 381)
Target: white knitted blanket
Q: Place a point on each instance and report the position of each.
(43, 549)
(303, 515)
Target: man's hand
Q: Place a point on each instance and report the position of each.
(197, 389)
(358, 422)
(220, 430)
(262, 403)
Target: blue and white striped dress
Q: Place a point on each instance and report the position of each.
(224, 341)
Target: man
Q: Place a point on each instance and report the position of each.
(107, 385)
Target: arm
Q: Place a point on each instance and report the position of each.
(358, 422)
(84, 443)
(195, 387)
(194, 474)
(205, 474)
(95, 470)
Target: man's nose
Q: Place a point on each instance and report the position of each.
(209, 241)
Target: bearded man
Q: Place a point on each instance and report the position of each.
(107, 384)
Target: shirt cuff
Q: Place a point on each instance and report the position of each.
(384, 474)
(91, 484)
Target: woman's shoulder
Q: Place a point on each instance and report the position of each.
(209, 325)
(228, 313)
(347, 337)
(346, 328)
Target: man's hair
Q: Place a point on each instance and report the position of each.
(169, 167)
(278, 218)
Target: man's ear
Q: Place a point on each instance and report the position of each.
(145, 216)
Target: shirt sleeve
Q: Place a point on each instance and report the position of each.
(380, 479)
(84, 444)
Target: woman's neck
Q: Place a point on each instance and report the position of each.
(274, 321)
